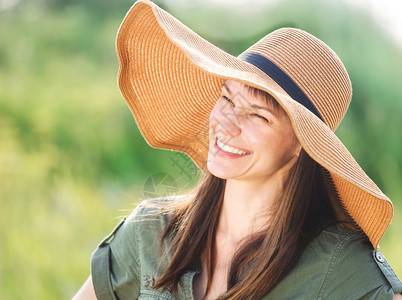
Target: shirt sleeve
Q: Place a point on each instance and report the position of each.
(354, 274)
(115, 264)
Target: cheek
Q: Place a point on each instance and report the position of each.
(260, 135)
(273, 141)
(216, 113)
(288, 143)
(213, 117)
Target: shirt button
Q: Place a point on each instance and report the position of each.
(379, 257)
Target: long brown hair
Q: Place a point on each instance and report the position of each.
(300, 213)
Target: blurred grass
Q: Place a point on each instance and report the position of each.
(72, 160)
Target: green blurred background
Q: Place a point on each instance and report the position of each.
(72, 160)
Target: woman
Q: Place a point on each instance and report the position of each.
(283, 210)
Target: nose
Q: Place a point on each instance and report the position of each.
(226, 122)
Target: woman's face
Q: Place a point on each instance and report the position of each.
(248, 139)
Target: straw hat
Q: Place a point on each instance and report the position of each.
(171, 79)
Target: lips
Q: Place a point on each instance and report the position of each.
(230, 149)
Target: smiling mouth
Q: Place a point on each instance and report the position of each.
(230, 149)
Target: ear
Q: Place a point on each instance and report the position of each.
(298, 148)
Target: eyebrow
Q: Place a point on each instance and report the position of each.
(256, 106)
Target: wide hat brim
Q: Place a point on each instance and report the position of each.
(171, 79)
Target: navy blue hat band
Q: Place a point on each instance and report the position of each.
(281, 78)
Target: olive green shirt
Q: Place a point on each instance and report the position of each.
(337, 264)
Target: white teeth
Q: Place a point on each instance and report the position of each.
(229, 149)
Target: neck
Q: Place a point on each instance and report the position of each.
(246, 206)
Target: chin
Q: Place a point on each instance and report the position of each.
(221, 171)
(217, 170)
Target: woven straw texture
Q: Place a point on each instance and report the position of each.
(171, 79)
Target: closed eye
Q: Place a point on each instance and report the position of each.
(261, 117)
(227, 99)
